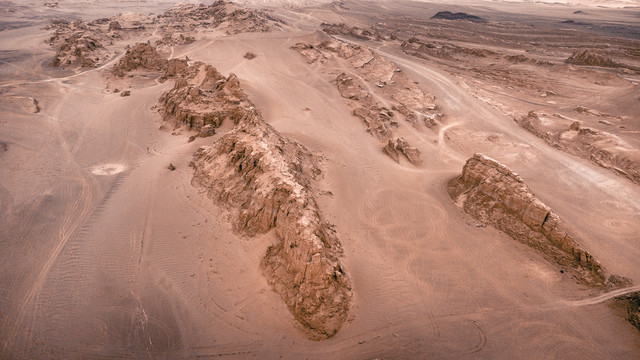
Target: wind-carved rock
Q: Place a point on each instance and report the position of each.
(400, 146)
(492, 193)
(202, 96)
(264, 180)
(140, 56)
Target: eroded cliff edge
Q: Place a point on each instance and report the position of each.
(493, 194)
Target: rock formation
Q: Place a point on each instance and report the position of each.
(632, 302)
(175, 39)
(493, 194)
(223, 15)
(587, 57)
(448, 15)
(264, 180)
(372, 71)
(375, 34)
(76, 44)
(401, 146)
(202, 96)
(601, 147)
(114, 26)
(174, 67)
(140, 56)
(83, 44)
(425, 50)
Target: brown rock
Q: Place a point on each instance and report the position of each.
(411, 153)
(632, 304)
(264, 180)
(140, 56)
(600, 147)
(587, 57)
(114, 26)
(390, 149)
(493, 194)
(76, 44)
(175, 66)
(348, 88)
(400, 146)
(202, 96)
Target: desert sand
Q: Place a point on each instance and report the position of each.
(315, 179)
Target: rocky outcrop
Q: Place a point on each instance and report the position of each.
(76, 44)
(140, 56)
(379, 120)
(632, 302)
(114, 26)
(375, 34)
(446, 51)
(202, 96)
(400, 146)
(264, 181)
(222, 15)
(448, 15)
(176, 39)
(390, 85)
(600, 147)
(589, 58)
(493, 194)
(175, 67)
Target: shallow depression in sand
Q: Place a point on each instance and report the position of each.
(108, 169)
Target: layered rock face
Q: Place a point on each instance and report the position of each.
(140, 56)
(600, 147)
(264, 180)
(202, 96)
(491, 193)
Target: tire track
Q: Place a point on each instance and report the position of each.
(74, 215)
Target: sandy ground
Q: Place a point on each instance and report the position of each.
(108, 254)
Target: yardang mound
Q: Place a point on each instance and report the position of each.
(492, 193)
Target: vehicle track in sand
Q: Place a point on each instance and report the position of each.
(75, 214)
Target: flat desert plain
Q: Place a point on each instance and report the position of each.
(319, 180)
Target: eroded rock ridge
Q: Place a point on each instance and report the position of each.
(491, 193)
